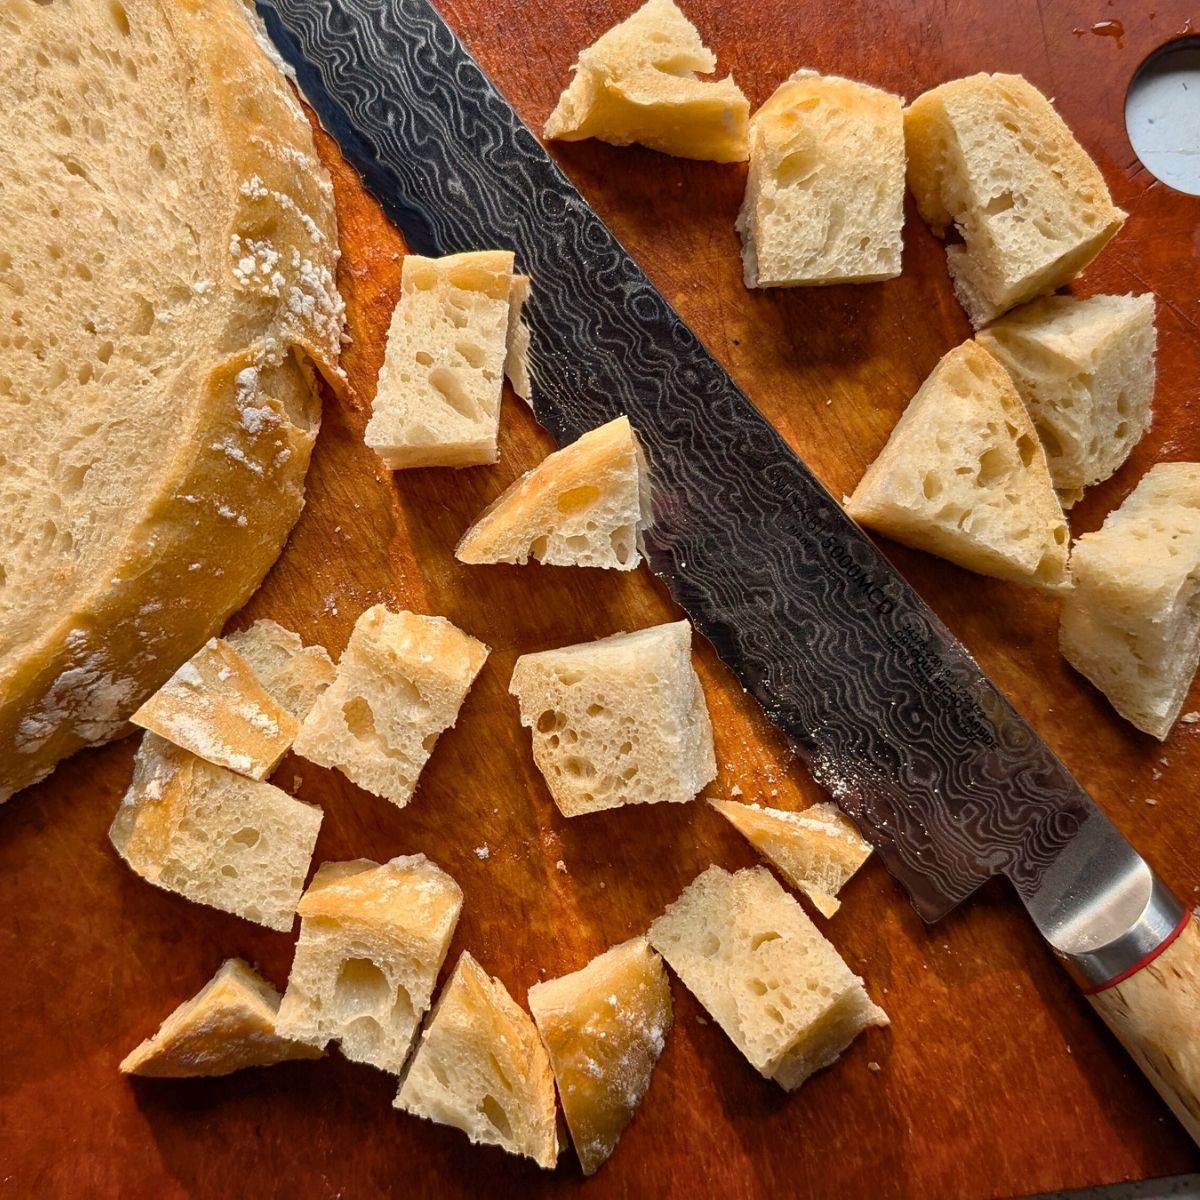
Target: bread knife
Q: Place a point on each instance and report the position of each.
(890, 712)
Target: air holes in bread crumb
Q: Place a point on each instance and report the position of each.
(760, 939)
(361, 988)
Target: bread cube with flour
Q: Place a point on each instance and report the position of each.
(290, 672)
(1085, 371)
(1132, 622)
(816, 851)
(226, 1026)
(964, 476)
(990, 157)
(584, 505)
(825, 194)
(638, 83)
(372, 941)
(214, 836)
(618, 721)
(480, 1067)
(437, 402)
(399, 684)
(215, 706)
(604, 1027)
(750, 955)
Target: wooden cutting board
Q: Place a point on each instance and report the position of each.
(994, 1078)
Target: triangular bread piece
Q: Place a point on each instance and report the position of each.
(964, 476)
(604, 1026)
(582, 506)
(481, 1067)
(637, 83)
(621, 720)
(227, 1025)
(516, 358)
(816, 850)
(290, 672)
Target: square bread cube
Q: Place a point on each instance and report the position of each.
(638, 83)
(290, 672)
(214, 836)
(816, 850)
(1132, 622)
(227, 1025)
(618, 721)
(825, 193)
(964, 476)
(604, 1027)
(437, 403)
(480, 1067)
(751, 956)
(399, 683)
(582, 506)
(215, 707)
(372, 941)
(990, 156)
(1085, 371)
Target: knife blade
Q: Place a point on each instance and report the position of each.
(892, 715)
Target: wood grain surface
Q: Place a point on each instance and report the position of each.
(995, 1078)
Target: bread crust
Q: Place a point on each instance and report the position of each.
(221, 509)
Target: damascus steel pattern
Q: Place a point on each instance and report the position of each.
(890, 712)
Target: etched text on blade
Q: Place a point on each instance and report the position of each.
(892, 715)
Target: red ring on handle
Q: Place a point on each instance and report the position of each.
(1145, 960)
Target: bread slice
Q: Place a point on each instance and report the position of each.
(749, 954)
(372, 941)
(437, 403)
(160, 309)
(990, 156)
(227, 1025)
(399, 684)
(582, 506)
(1132, 622)
(816, 850)
(825, 194)
(1085, 370)
(290, 672)
(604, 1027)
(618, 721)
(481, 1068)
(215, 837)
(637, 83)
(516, 357)
(215, 707)
(964, 476)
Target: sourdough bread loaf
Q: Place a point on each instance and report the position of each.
(825, 194)
(163, 308)
(582, 506)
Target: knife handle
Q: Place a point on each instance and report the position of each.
(1154, 1009)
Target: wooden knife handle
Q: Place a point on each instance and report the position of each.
(1155, 1012)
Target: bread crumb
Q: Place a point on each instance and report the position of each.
(874, 1066)
(297, 782)
(1189, 718)
(482, 852)
(561, 866)
(735, 790)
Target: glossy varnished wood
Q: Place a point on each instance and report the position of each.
(995, 1078)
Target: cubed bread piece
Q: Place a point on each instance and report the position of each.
(583, 506)
(618, 721)
(1085, 370)
(637, 83)
(480, 1067)
(227, 1025)
(990, 156)
(399, 683)
(816, 850)
(213, 836)
(215, 707)
(964, 476)
(516, 358)
(604, 1027)
(751, 956)
(1132, 622)
(290, 672)
(372, 941)
(437, 403)
(825, 193)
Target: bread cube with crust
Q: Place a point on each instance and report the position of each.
(290, 672)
